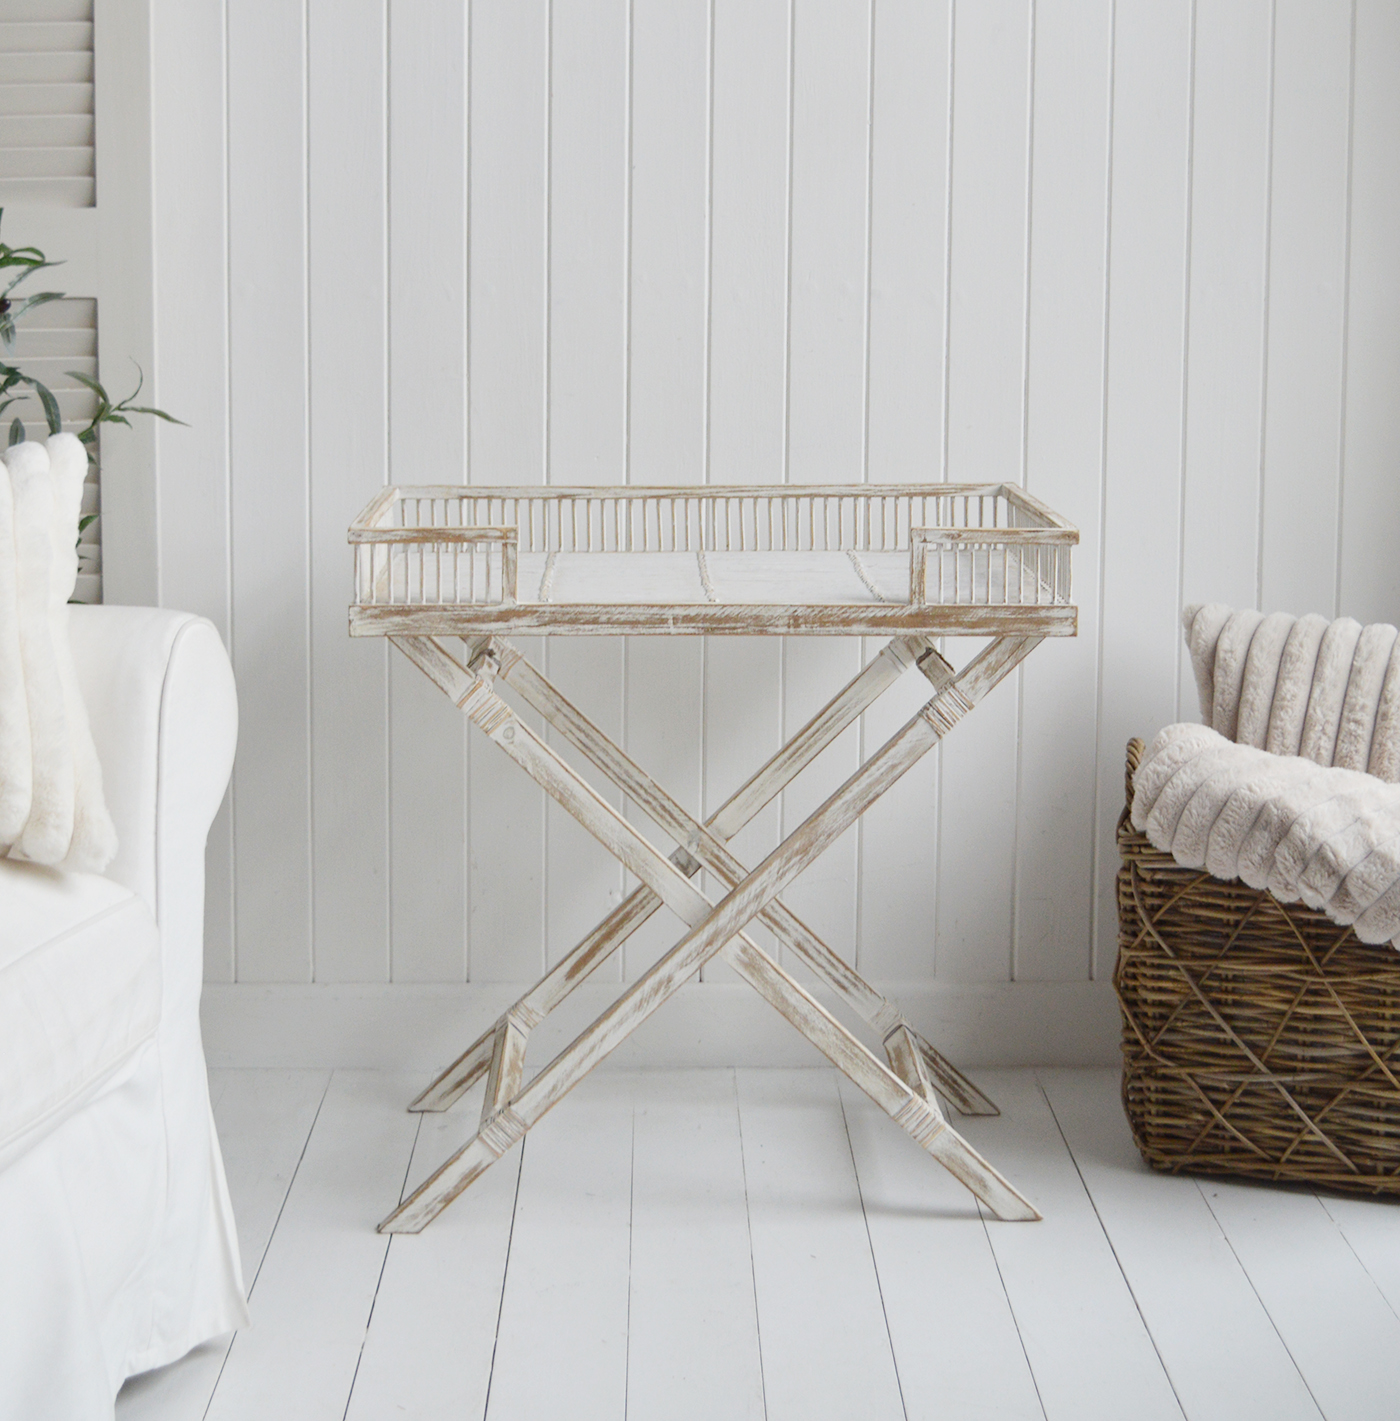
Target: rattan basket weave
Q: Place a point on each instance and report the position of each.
(1259, 1039)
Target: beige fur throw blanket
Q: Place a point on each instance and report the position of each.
(1289, 784)
(52, 809)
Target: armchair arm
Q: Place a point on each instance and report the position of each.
(160, 696)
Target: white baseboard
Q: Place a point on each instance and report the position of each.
(422, 1028)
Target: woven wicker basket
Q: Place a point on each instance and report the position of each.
(1259, 1038)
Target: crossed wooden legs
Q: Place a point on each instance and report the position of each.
(904, 1089)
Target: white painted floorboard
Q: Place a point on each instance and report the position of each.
(765, 1244)
(954, 1336)
(1216, 1339)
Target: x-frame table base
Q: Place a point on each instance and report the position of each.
(905, 1088)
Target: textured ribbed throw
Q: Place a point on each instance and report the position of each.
(1290, 783)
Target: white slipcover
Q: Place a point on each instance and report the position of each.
(117, 1244)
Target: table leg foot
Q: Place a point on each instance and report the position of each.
(441, 1188)
(956, 1088)
(460, 1076)
(965, 1164)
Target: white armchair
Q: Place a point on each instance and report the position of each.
(117, 1244)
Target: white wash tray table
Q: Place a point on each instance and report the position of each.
(449, 573)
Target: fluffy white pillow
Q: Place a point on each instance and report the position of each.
(52, 809)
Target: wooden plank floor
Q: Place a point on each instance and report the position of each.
(765, 1244)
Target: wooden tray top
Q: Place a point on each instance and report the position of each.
(864, 559)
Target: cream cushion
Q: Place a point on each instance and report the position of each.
(80, 993)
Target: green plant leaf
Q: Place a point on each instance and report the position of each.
(86, 522)
(16, 432)
(51, 410)
(39, 298)
(147, 409)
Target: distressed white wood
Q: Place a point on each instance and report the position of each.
(264, 1118)
(747, 802)
(1063, 1273)
(711, 930)
(1216, 1339)
(1308, 201)
(429, 1348)
(1148, 233)
(1065, 353)
(711, 927)
(582, 880)
(1368, 582)
(427, 275)
(825, 896)
(318, 1281)
(347, 139)
(826, 1350)
(957, 1347)
(506, 840)
(692, 1336)
(1337, 1325)
(901, 1090)
(743, 711)
(568, 1274)
(665, 702)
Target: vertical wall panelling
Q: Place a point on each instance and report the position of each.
(347, 171)
(1369, 577)
(747, 364)
(908, 231)
(1140, 625)
(1227, 322)
(192, 352)
(508, 99)
(669, 306)
(986, 404)
(1064, 455)
(427, 444)
(827, 336)
(268, 462)
(1307, 303)
(587, 373)
(1141, 256)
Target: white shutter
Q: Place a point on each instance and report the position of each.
(75, 182)
(46, 108)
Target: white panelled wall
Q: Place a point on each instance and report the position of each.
(1140, 255)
